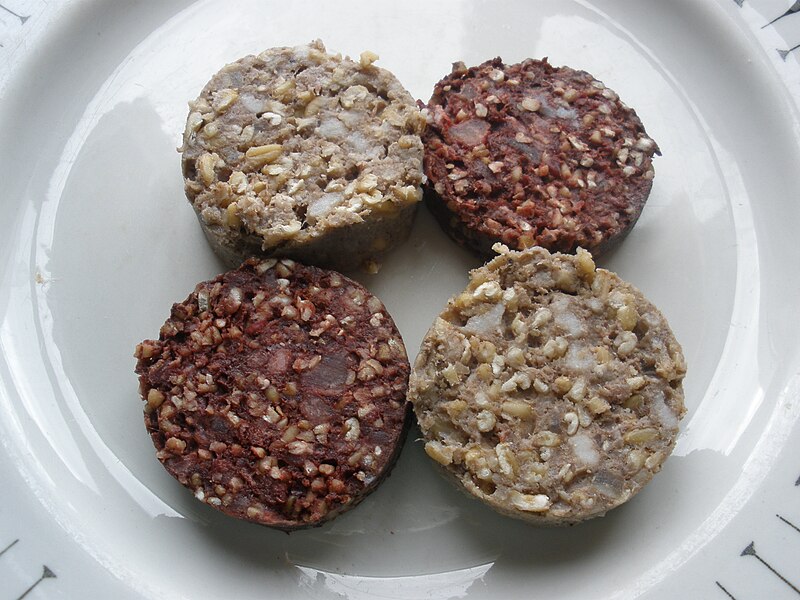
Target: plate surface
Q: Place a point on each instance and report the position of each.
(97, 241)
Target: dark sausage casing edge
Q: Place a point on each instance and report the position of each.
(276, 392)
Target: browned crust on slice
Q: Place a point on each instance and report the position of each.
(530, 154)
(276, 393)
(349, 247)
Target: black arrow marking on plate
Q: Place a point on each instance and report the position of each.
(798, 479)
(46, 574)
(7, 548)
(20, 17)
(783, 54)
(793, 9)
(739, 2)
(789, 523)
(751, 551)
(727, 593)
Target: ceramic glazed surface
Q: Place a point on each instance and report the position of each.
(97, 240)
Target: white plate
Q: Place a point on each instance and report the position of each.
(96, 241)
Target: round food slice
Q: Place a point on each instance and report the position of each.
(303, 154)
(549, 389)
(530, 154)
(276, 393)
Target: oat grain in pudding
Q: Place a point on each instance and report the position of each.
(304, 154)
(277, 393)
(549, 389)
(530, 154)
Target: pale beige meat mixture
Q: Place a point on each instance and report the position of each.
(549, 389)
(300, 153)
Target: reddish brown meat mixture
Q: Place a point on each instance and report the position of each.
(529, 154)
(276, 392)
